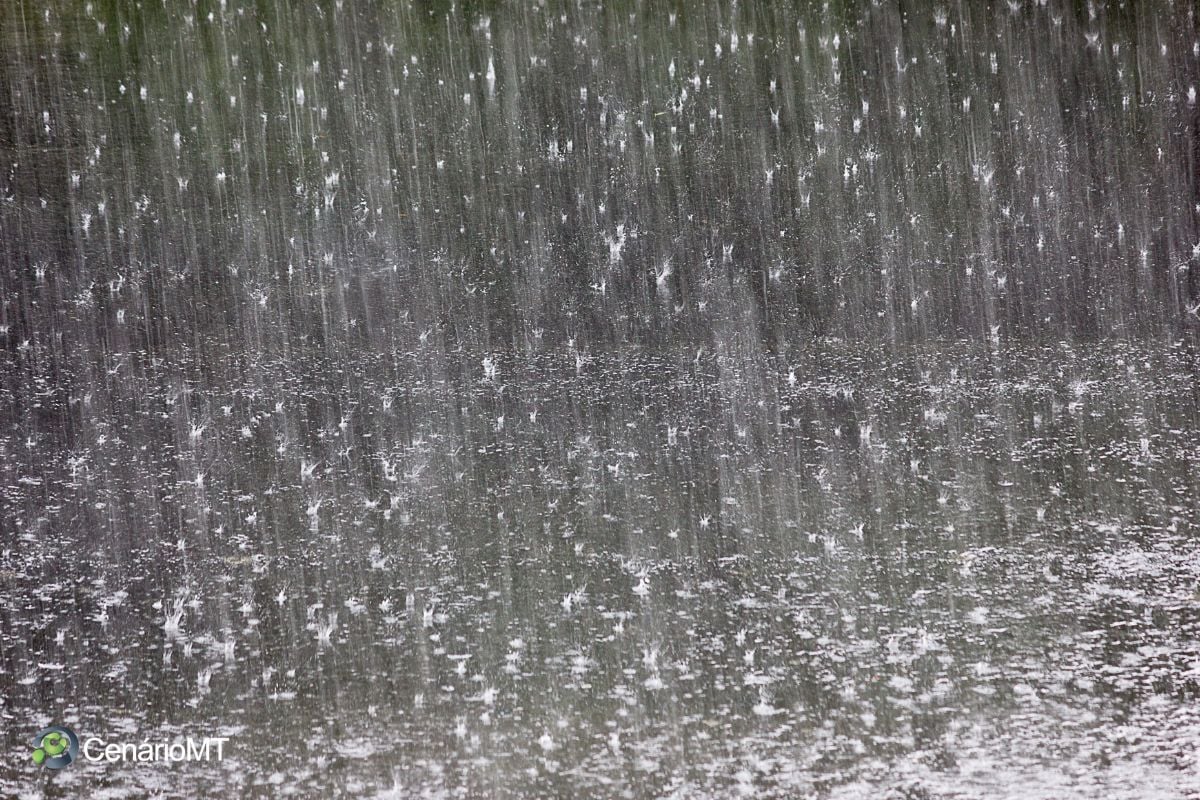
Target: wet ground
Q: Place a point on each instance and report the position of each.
(938, 571)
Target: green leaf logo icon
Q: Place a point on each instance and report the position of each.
(55, 747)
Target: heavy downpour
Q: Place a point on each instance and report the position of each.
(552, 398)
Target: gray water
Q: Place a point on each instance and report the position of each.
(629, 400)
